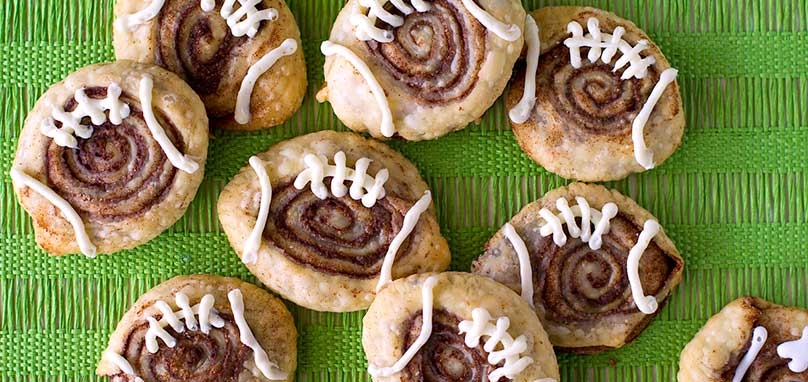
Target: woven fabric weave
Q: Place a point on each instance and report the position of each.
(732, 198)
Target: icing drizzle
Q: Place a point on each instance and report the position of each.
(759, 336)
(507, 32)
(596, 40)
(423, 336)
(797, 351)
(553, 224)
(268, 368)
(521, 112)
(85, 107)
(254, 240)
(500, 345)
(132, 21)
(329, 48)
(121, 362)
(366, 28)
(525, 269)
(247, 19)
(242, 113)
(364, 187)
(180, 161)
(410, 220)
(85, 245)
(646, 304)
(642, 154)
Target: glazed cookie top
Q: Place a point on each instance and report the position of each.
(467, 327)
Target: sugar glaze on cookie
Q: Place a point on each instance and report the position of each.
(500, 345)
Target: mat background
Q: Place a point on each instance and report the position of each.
(732, 197)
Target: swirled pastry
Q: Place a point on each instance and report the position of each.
(328, 218)
(110, 157)
(455, 327)
(605, 101)
(594, 264)
(419, 69)
(243, 58)
(750, 340)
(203, 328)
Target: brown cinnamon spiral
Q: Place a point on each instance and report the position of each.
(335, 235)
(592, 98)
(579, 284)
(436, 54)
(119, 172)
(197, 357)
(767, 366)
(444, 357)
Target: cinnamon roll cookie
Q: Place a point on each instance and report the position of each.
(426, 67)
(327, 219)
(242, 57)
(110, 157)
(455, 327)
(600, 103)
(203, 328)
(749, 340)
(593, 264)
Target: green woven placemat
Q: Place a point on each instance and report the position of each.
(732, 198)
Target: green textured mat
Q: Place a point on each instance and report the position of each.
(732, 198)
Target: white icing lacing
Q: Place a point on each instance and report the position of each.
(268, 368)
(207, 317)
(364, 187)
(759, 336)
(85, 107)
(797, 351)
(642, 154)
(423, 336)
(500, 345)
(207, 5)
(525, 269)
(85, 245)
(553, 224)
(646, 304)
(121, 362)
(329, 49)
(507, 32)
(242, 113)
(595, 40)
(521, 112)
(134, 20)
(410, 220)
(247, 19)
(182, 162)
(253, 242)
(366, 28)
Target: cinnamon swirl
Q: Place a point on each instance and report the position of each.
(328, 218)
(427, 67)
(594, 264)
(203, 328)
(243, 58)
(605, 100)
(110, 157)
(749, 340)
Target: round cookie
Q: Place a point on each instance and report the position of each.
(578, 276)
(588, 121)
(462, 312)
(203, 328)
(325, 249)
(100, 168)
(249, 71)
(770, 340)
(434, 72)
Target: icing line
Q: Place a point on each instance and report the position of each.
(242, 113)
(510, 349)
(646, 304)
(207, 317)
(554, 223)
(132, 21)
(507, 32)
(759, 336)
(253, 242)
(595, 40)
(797, 351)
(85, 107)
(642, 154)
(364, 187)
(366, 28)
(247, 19)
(410, 220)
(268, 368)
(121, 362)
(525, 269)
(521, 112)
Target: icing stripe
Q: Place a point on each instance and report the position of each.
(507, 32)
(132, 21)
(269, 369)
(364, 187)
(247, 19)
(242, 113)
(642, 154)
(188, 312)
(554, 224)
(521, 112)
(121, 362)
(206, 316)
(500, 345)
(426, 331)
(366, 28)
(759, 337)
(207, 5)
(525, 269)
(595, 40)
(182, 162)
(253, 242)
(156, 330)
(85, 245)
(797, 351)
(646, 304)
(329, 49)
(85, 107)
(410, 220)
